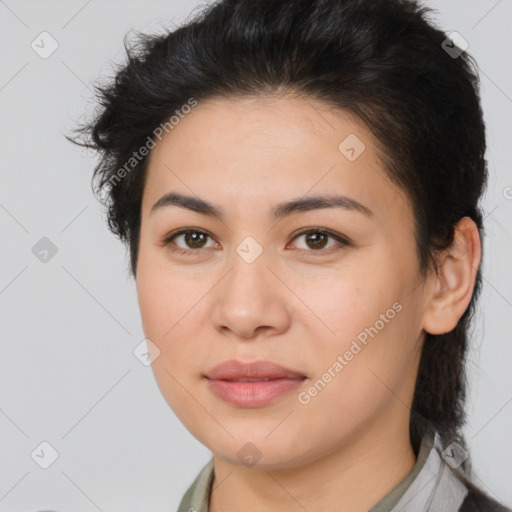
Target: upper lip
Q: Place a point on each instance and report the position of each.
(231, 370)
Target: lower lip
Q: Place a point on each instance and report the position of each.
(252, 394)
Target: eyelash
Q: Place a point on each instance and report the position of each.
(313, 252)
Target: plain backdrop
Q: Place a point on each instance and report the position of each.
(70, 324)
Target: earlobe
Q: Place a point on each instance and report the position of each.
(455, 282)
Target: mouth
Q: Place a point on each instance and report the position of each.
(253, 384)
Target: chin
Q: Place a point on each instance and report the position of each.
(258, 451)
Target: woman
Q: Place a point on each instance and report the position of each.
(299, 184)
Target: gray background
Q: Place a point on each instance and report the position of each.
(68, 375)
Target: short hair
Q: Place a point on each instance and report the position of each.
(385, 62)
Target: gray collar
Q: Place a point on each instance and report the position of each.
(438, 485)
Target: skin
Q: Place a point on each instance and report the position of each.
(349, 445)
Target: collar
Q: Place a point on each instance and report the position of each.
(432, 485)
(437, 484)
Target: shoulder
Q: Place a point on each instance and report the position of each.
(477, 501)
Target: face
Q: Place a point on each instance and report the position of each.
(328, 290)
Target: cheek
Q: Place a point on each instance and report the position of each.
(371, 320)
(343, 303)
(155, 302)
(167, 314)
(166, 304)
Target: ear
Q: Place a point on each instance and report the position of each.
(454, 284)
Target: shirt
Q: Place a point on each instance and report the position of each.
(433, 485)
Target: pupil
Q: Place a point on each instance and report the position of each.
(191, 238)
(315, 239)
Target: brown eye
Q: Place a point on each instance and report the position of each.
(187, 240)
(194, 239)
(316, 240)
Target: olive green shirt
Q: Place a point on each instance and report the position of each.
(433, 484)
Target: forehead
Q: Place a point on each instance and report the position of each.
(254, 148)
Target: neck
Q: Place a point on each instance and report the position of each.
(354, 478)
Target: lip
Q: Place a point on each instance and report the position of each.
(233, 369)
(273, 381)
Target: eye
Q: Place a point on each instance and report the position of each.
(316, 241)
(194, 239)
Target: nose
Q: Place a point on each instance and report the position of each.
(251, 300)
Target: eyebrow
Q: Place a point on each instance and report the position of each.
(303, 204)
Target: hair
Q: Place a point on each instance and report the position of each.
(383, 61)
